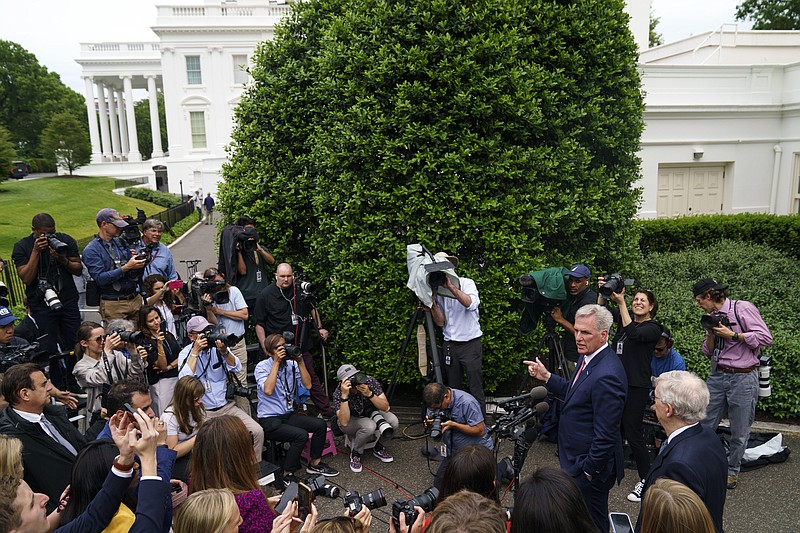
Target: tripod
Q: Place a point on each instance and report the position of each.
(311, 301)
(416, 316)
(556, 360)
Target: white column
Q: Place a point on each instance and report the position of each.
(155, 124)
(112, 115)
(123, 124)
(105, 136)
(94, 133)
(130, 121)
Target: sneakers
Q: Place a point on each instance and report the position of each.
(636, 493)
(355, 462)
(321, 469)
(733, 480)
(288, 479)
(382, 454)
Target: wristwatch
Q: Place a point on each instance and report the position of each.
(735, 337)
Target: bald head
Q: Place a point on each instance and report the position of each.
(284, 276)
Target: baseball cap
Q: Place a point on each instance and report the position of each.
(579, 271)
(707, 284)
(444, 256)
(346, 372)
(6, 317)
(196, 324)
(111, 216)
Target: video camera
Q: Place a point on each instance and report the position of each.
(532, 295)
(372, 500)
(426, 500)
(247, 240)
(131, 234)
(214, 288)
(14, 355)
(614, 283)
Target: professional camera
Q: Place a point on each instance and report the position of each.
(215, 289)
(56, 244)
(14, 355)
(50, 295)
(715, 319)
(614, 283)
(135, 337)
(383, 426)
(292, 351)
(247, 240)
(532, 295)
(359, 378)
(426, 500)
(227, 339)
(131, 234)
(438, 417)
(320, 487)
(372, 500)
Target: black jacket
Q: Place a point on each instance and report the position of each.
(47, 464)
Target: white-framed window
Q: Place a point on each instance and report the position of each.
(194, 76)
(240, 75)
(197, 122)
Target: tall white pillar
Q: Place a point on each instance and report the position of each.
(130, 121)
(155, 123)
(105, 136)
(123, 124)
(94, 133)
(112, 115)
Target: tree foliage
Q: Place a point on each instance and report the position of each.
(8, 152)
(655, 39)
(30, 96)
(145, 137)
(770, 14)
(501, 131)
(67, 141)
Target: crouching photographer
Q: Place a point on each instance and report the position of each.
(361, 410)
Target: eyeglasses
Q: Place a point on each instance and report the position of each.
(653, 397)
(100, 338)
(211, 275)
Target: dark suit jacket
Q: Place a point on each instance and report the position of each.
(47, 464)
(589, 437)
(697, 459)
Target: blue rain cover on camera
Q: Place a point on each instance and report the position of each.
(550, 285)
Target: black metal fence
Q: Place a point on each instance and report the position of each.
(16, 289)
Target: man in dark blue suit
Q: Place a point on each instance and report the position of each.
(692, 454)
(589, 440)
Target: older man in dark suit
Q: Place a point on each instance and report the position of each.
(589, 440)
(692, 454)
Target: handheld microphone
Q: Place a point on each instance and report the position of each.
(537, 393)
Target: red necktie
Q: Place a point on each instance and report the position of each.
(578, 373)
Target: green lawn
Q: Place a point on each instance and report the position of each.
(73, 203)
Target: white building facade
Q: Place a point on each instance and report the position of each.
(722, 113)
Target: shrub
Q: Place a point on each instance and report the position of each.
(502, 131)
(161, 198)
(756, 273)
(780, 232)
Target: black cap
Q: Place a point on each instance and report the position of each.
(707, 284)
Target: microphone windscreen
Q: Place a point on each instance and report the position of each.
(542, 407)
(538, 393)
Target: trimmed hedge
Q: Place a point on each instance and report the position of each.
(161, 198)
(757, 273)
(781, 232)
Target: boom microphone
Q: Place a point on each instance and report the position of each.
(537, 393)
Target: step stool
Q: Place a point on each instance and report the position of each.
(330, 446)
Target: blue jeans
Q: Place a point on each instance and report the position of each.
(738, 394)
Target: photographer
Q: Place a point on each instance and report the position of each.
(735, 333)
(227, 310)
(251, 262)
(279, 378)
(578, 294)
(159, 258)
(46, 260)
(459, 319)
(636, 336)
(461, 422)
(162, 355)
(211, 364)
(360, 406)
(283, 306)
(114, 268)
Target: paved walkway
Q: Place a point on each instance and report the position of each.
(200, 242)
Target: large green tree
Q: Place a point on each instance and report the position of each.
(66, 141)
(29, 97)
(142, 111)
(502, 131)
(8, 152)
(770, 14)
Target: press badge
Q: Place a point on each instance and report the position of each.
(620, 345)
(258, 276)
(443, 450)
(294, 319)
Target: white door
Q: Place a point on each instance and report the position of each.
(690, 191)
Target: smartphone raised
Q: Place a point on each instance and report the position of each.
(620, 523)
(304, 497)
(175, 284)
(288, 497)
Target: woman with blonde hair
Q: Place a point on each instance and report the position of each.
(223, 458)
(10, 456)
(183, 418)
(670, 506)
(209, 511)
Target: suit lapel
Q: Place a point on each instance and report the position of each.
(36, 432)
(587, 371)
